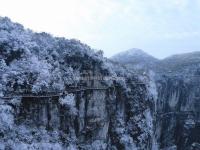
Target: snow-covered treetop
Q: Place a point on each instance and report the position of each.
(38, 61)
(136, 59)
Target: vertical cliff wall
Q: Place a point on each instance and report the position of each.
(177, 117)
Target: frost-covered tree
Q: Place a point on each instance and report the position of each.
(70, 103)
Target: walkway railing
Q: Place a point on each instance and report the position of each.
(53, 94)
(174, 113)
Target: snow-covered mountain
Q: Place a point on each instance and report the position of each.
(136, 59)
(128, 55)
(59, 94)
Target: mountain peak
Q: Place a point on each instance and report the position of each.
(132, 54)
(135, 58)
(135, 51)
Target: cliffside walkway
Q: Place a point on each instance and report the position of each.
(53, 94)
(179, 113)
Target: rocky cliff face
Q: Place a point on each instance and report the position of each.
(178, 122)
(60, 94)
(176, 114)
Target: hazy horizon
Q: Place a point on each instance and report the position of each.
(160, 28)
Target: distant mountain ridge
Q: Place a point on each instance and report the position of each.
(180, 62)
(137, 58)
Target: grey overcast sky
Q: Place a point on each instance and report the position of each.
(159, 27)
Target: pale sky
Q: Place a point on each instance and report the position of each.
(159, 27)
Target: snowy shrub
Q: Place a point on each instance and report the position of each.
(2, 146)
(35, 146)
(98, 145)
(57, 81)
(128, 143)
(6, 117)
(1, 90)
(69, 102)
(71, 147)
(43, 80)
(70, 75)
(15, 101)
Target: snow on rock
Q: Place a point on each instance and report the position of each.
(68, 100)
